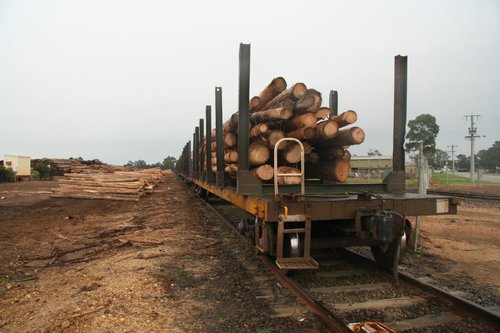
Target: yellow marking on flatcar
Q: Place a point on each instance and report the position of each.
(252, 205)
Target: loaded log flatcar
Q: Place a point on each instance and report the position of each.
(290, 220)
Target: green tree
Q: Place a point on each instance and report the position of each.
(140, 164)
(439, 159)
(490, 159)
(45, 172)
(374, 152)
(422, 129)
(169, 162)
(463, 163)
(7, 174)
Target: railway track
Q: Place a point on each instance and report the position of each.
(465, 194)
(350, 288)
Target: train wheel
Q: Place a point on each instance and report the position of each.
(242, 226)
(384, 254)
(293, 246)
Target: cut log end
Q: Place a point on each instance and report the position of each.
(264, 172)
(288, 180)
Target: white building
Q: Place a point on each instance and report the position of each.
(20, 164)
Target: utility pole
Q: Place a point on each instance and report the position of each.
(472, 136)
(452, 150)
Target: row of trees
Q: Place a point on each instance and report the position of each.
(425, 129)
(168, 163)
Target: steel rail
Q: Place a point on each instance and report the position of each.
(328, 318)
(463, 305)
(465, 194)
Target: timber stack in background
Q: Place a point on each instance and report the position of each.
(62, 166)
(296, 112)
(97, 180)
(119, 185)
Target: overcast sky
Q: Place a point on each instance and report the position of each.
(128, 80)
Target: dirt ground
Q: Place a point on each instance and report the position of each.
(162, 265)
(462, 251)
(471, 239)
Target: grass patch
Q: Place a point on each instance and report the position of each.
(451, 179)
(412, 182)
(363, 181)
(409, 182)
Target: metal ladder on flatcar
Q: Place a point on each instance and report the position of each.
(284, 220)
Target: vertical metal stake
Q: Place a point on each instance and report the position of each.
(196, 163)
(400, 90)
(243, 98)
(218, 137)
(189, 166)
(208, 121)
(201, 157)
(334, 103)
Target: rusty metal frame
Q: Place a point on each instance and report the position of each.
(328, 208)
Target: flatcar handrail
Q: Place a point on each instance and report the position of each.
(275, 167)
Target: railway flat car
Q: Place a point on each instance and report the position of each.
(288, 221)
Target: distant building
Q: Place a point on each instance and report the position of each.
(20, 164)
(370, 166)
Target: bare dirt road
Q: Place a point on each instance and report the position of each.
(164, 264)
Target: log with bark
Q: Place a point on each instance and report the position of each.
(347, 137)
(283, 111)
(231, 168)
(304, 133)
(307, 147)
(255, 102)
(230, 156)
(230, 140)
(345, 118)
(263, 172)
(273, 137)
(277, 86)
(304, 120)
(288, 180)
(322, 113)
(347, 155)
(292, 152)
(310, 102)
(332, 153)
(312, 158)
(326, 130)
(231, 125)
(258, 129)
(258, 154)
(294, 93)
(335, 171)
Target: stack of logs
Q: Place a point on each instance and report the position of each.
(119, 185)
(72, 165)
(295, 112)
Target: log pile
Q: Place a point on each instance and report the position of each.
(72, 165)
(296, 112)
(119, 185)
